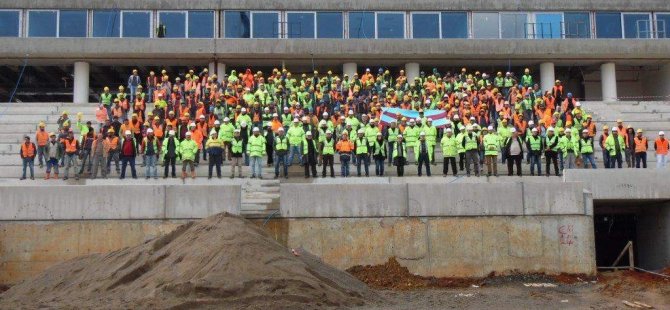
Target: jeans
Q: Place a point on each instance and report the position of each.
(52, 163)
(256, 166)
(570, 161)
(606, 159)
(28, 163)
(133, 89)
(365, 160)
(113, 155)
(549, 158)
(379, 167)
(150, 162)
(588, 158)
(423, 160)
(616, 160)
(344, 163)
(99, 162)
(169, 162)
(281, 160)
(535, 161)
(85, 158)
(391, 146)
(294, 150)
(70, 161)
(150, 94)
(472, 156)
(661, 161)
(641, 157)
(125, 161)
(40, 154)
(215, 160)
(630, 158)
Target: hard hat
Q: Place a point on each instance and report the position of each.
(236, 130)
(157, 118)
(216, 122)
(660, 133)
(255, 129)
(295, 120)
(512, 130)
(448, 130)
(379, 134)
(308, 134)
(275, 115)
(577, 104)
(225, 119)
(53, 134)
(191, 125)
(285, 108)
(619, 121)
(534, 130)
(422, 134)
(244, 109)
(585, 131)
(171, 112)
(351, 112)
(128, 132)
(328, 132)
(531, 123)
(550, 129)
(281, 129)
(469, 127)
(42, 124)
(188, 133)
(325, 113)
(171, 132)
(202, 116)
(589, 116)
(243, 124)
(605, 127)
(615, 129)
(411, 121)
(567, 130)
(429, 120)
(639, 130)
(150, 130)
(490, 128)
(212, 132)
(361, 131)
(111, 130)
(344, 132)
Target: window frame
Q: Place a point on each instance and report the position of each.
(404, 24)
(214, 24)
(471, 21)
(623, 25)
(223, 24)
(151, 23)
(655, 25)
(533, 21)
(348, 28)
(595, 25)
(528, 23)
(251, 23)
(439, 23)
(21, 27)
(286, 13)
(27, 34)
(92, 23)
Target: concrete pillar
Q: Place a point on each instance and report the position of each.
(220, 70)
(412, 70)
(664, 89)
(608, 80)
(547, 76)
(349, 69)
(212, 68)
(81, 82)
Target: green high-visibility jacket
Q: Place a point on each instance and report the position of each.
(411, 134)
(491, 144)
(237, 145)
(256, 146)
(361, 146)
(295, 135)
(449, 146)
(187, 149)
(417, 150)
(226, 132)
(392, 134)
(328, 146)
(610, 144)
(431, 134)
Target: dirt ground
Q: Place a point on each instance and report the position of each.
(399, 289)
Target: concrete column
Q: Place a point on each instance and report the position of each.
(212, 68)
(349, 69)
(608, 80)
(664, 89)
(81, 82)
(547, 76)
(412, 70)
(220, 70)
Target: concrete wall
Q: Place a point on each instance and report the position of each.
(629, 184)
(420, 5)
(431, 199)
(653, 237)
(453, 246)
(629, 84)
(125, 202)
(27, 248)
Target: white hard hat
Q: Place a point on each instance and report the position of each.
(127, 132)
(427, 100)
(309, 134)
(550, 129)
(243, 124)
(615, 129)
(469, 127)
(285, 108)
(418, 120)
(295, 120)
(150, 130)
(512, 130)
(216, 122)
(191, 125)
(422, 134)
(361, 131)
(534, 130)
(448, 130)
(212, 132)
(456, 116)
(255, 129)
(275, 115)
(322, 122)
(411, 120)
(490, 128)
(531, 123)
(226, 119)
(578, 104)
(325, 113)
(328, 132)
(188, 133)
(661, 133)
(568, 130)
(237, 130)
(202, 116)
(280, 129)
(399, 136)
(244, 109)
(351, 112)
(171, 132)
(585, 131)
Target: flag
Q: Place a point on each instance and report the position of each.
(439, 117)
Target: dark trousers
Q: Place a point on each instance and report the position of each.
(379, 167)
(125, 161)
(461, 161)
(641, 157)
(616, 160)
(215, 160)
(549, 157)
(514, 160)
(400, 169)
(169, 162)
(328, 162)
(310, 165)
(365, 160)
(449, 161)
(391, 146)
(423, 160)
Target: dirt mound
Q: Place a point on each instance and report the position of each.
(219, 262)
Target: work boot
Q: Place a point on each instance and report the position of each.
(47, 176)
(193, 175)
(56, 176)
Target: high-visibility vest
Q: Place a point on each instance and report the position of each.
(106, 98)
(305, 146)
(361, 146)
(158, 131)
(661, 147)
(113, 142)
(549, 141)
(237, 146)
(535, 143)
(491, 143)
(70, 146)
(640, 145)
(393, 134)
(256, 146)
(28, 150)
(449, 146)
(42, 137)
(281, 143)
(403, 150)
(586, 146)
(155, 144)
(380, 148)
(328, 147)
(470, 142)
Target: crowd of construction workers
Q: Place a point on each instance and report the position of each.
(277, 119)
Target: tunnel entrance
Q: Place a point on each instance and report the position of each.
(645, 223)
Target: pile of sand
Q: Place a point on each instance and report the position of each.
(219, 262)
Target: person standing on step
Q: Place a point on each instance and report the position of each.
(449, 145)
(99, 153)
(551, 149)
(53, 152)
(236, 149)
(490, 142)
(471, 145)
(114, 151)
(379, 154)
(399, 155)
(170, 151)
(585, 150)
(514, 152)
(281, 153)
(42, 138)
(128, 154)
(71, 152)
(150, 148)
(214, 147)
(28, 152)
(661, 147)
(328, 154)
(362, 153)
(615, 146)
(641, 146)
(85, 154)
(309, 155)
(188, 149)
(534, 144)
(256, 151)
(423, 153)
(345, 148)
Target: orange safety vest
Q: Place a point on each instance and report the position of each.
(134, 128)
(28, 150)
(113, 142)
(70, 146)
(640, 145)
(158, 130)
(171, 122)
(42, 137)
(661, 147)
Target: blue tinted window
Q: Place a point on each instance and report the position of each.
(455, 25)
(513, 25)
(362, 25)
(106, 23)
(72, 23)
(300, 25)
(42, 23)
(548, 26)
(9, 23)
(329, 25)
(237, 24)
(426, 26)
(390, 25)
(136, 24)
(577, 25)
(608, 25)
(485, 26)
(636, 26)
(200, 24)
(663, 25)
(175, 24)
(265, 25)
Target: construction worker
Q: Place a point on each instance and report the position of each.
(615, 146)
(71, 146)
(214, 146)
(256, 151)
(42, 138)
(585, 150)
(106, 101)
(449, 145)
(188, 149)
(53, 152)
(114, 150)
(309, 154)
(471, 145)
(567, 147)
(236, 150)
(661, 148)
(601, 142)
(28, 153)
(328, 153)
(226, 136)
(399, 155)
(423, 154)
(641, 146)
(85, 152)
(550, 145)
(392, 133)
(629, 137)
(296, 135)
(128, 154)
(345, 148)
(378, 152)
(534, 144)
(150, 149)
(490, 142)
(431, 137)
(362, 153)
(514, 147)
(99, 154)
(410, 136)
(170, 152)
(280, 153)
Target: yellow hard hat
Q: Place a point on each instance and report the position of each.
(42, 124)
(639, 130)
(605, 127)
(111, 130)
(106, 88)
(156, 118)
